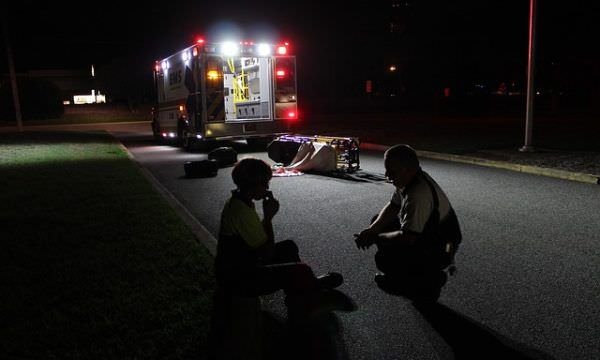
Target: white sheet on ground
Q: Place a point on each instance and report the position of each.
(315, 157)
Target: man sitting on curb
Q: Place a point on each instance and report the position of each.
(250, 263)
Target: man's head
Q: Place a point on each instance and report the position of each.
(252, 177)
(401, 164)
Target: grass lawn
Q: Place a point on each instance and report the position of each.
(91, 113)
(95, 264)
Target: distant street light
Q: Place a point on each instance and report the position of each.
(13, 76)
(530, 87)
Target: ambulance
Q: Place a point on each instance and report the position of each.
(225, 90)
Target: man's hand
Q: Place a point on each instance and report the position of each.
(270, 206)
(365, 239)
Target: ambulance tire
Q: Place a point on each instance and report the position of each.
(201, 168)
(156, 133)
(187, 142)
(182, 132)
(224, 155)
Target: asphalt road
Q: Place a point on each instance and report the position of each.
(528, 282)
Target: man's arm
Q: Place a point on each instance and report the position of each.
(370, 235)
(386, 216)
(270, 208)
(399, 236)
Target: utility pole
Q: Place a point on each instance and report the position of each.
(13, 76)
(527, 147)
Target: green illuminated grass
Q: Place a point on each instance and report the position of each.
(95, 264)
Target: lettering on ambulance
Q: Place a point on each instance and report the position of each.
(175, 88)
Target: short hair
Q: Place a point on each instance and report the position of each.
(249, 172)
(404, 155)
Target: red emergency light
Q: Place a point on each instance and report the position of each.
(199, 41)
(280, 73)
(292, 115)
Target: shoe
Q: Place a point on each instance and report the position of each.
(390, 285)
(330, 280)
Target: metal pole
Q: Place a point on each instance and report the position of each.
(13, 76)
(530, 83)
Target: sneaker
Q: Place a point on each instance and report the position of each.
(390, 285)
(330, 280)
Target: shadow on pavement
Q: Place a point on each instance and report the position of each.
(241, 330)
(321, 340)
(470, 340)
(357, 176)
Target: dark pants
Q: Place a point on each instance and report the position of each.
(284, 271)
(407, 265)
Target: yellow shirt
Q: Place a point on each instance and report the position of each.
(239, 219)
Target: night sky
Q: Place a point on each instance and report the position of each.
(333, 40)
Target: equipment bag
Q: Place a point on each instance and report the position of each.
(201, 168)
(225, 156)
(283, 151)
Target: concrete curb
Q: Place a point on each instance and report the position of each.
(529, 169)
(203, 236)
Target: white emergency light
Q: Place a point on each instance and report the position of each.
(230, 48)
(263, 49)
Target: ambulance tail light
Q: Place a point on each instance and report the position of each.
(283, 49)
(280, 73)
(285, 88)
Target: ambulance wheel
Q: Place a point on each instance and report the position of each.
(156, 133)
(181, 133)
(187, 142)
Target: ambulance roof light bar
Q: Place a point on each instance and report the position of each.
(229, 48)
(263, 49)
(234, 48)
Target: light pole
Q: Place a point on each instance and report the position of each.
(13, 76)
(527, 147)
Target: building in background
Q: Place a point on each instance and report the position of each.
(76, 86)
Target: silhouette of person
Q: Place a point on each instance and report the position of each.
(249, 263)
(412, 252)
